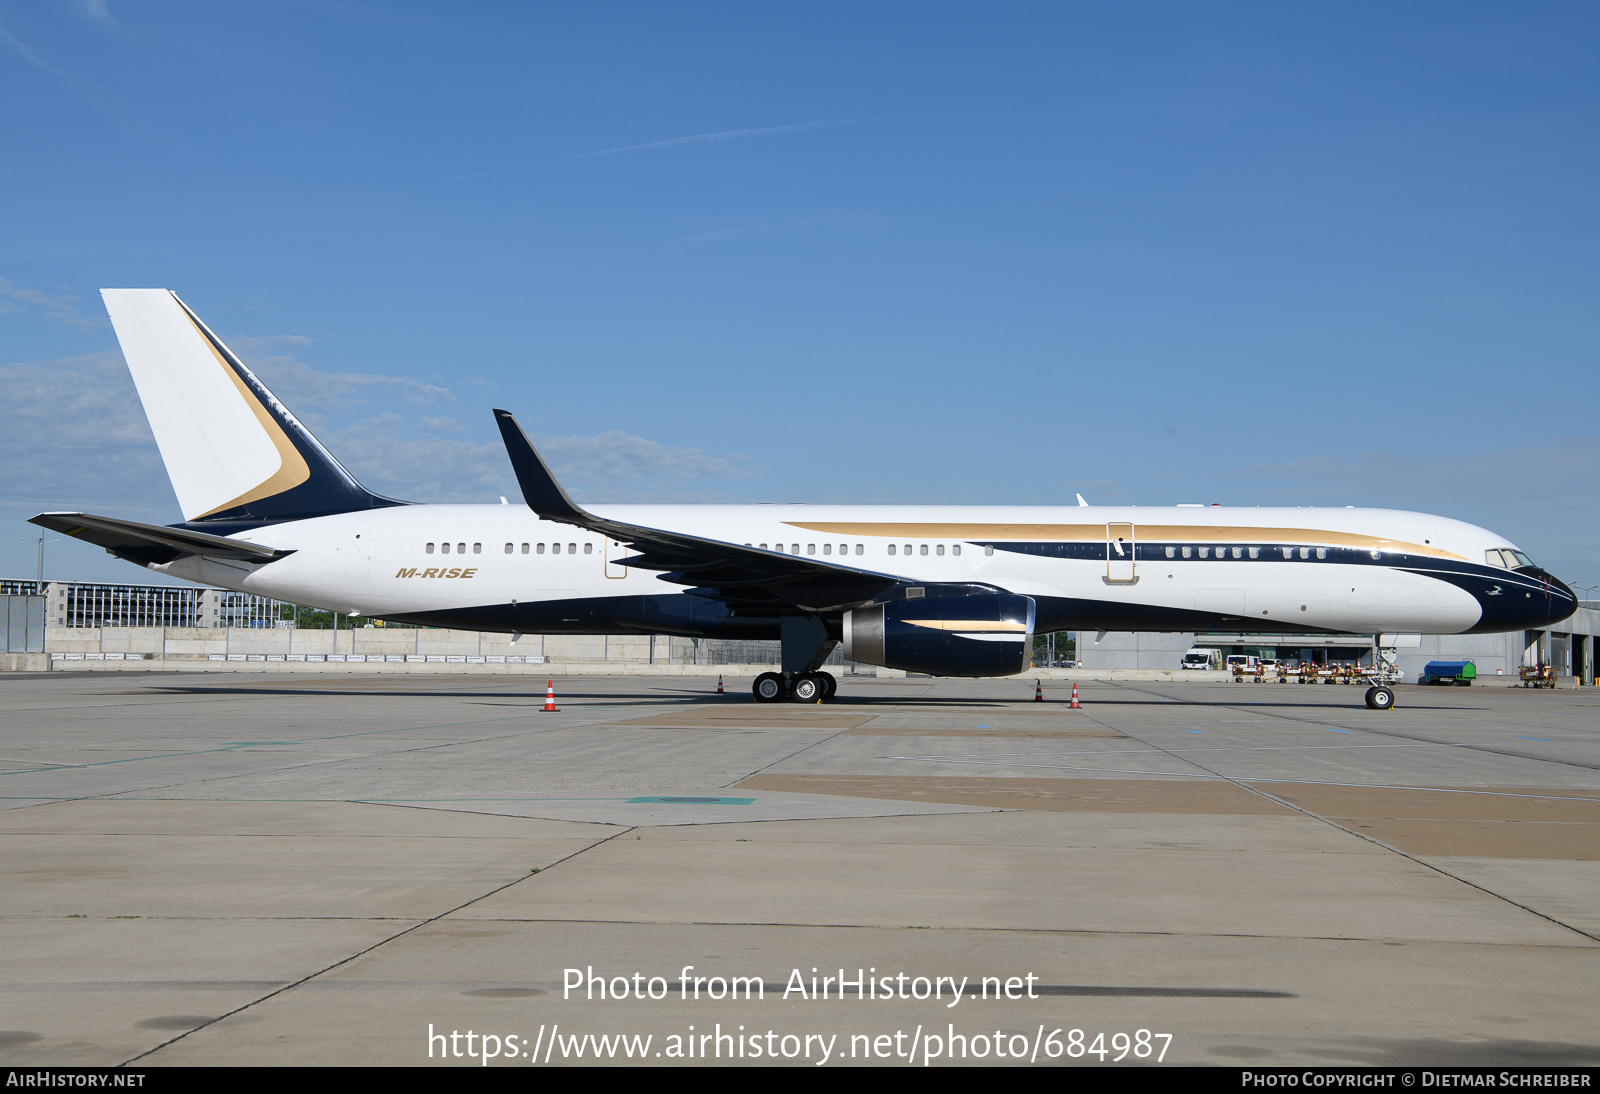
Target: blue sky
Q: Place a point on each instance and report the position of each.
(1251, 253)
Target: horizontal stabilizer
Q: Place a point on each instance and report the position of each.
(148, 544)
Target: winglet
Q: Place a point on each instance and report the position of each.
(539, 487)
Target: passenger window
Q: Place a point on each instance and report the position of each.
(827, 548)
(924, 549)
(844, 548)
(508, 548)
(1288, 552)
(891, 548)
(908, 548)
(572, 548)
(1205, 552)
(955, 549)
(477, 548)
(539, 549)
(1172, 552)
(939, 550)
(524, 548)
(555, 548)
(858, 549)
(1186, 552)
(988, 550)
(444, 548)
(1255, 552)
(1322, 552)
(461, 548)
(588, 548)
(763, 546)
(811, 548)
(794, 548)
(1237, 553)
(430, 549)
(1305, 552)
(1377, 554)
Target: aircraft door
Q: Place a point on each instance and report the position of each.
(614, 551)
(1120, 566)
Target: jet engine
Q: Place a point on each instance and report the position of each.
(981, 635)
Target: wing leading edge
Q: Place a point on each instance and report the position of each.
(746, 578)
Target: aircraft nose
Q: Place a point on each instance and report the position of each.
(1528, 598)
(1563, 601)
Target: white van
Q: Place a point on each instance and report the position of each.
(1201, 657)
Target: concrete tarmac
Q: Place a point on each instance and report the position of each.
(314, 869)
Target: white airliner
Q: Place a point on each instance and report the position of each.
(950, 590)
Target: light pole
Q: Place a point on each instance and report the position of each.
(38, 584)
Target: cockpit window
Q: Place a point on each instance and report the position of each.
(1511, 560)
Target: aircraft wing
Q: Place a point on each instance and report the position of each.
(746, 578)
(145, 544)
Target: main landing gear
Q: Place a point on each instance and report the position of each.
(1380, 697)
(806, 643)
(803, 687)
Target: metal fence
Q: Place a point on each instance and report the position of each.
(86, 604)
(131, 606)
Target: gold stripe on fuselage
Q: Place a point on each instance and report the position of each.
(973, 625)
(1144, 533)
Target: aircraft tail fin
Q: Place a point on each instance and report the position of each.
(233, 452)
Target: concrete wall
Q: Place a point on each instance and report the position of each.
(176, 643)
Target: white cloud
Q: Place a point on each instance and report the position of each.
(57, 307)
(73, 435)
(616, 459)
(725, 135)
(302, 387)
(389, 455)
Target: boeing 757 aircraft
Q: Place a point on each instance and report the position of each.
(948, 590)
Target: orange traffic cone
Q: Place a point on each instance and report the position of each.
(1074, 696)
(550, 699)
(1038, 692)
(719, 684)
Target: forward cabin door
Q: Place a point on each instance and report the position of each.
(1119, 554)
(614, 551)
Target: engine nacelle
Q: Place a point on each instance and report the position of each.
(990, 634)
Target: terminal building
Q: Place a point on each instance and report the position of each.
(1569, 650)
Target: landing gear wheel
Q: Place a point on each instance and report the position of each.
(809, 688)
(768, 688)
(831, 684)
(1380, 698)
